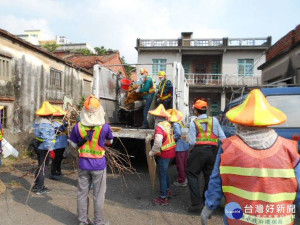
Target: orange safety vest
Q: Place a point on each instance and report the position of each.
(91, 149)
(162, 89)
(1, 134)
(262, 182)
(206, 137)
(169, 143)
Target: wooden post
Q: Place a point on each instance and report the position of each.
(150, 161)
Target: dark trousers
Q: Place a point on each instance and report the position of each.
(56, 162)
(181, 161)
(167, 104)
(146, 110)
(40, 176)
(201, 159)
(164, 181)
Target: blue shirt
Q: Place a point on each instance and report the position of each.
(214, 193)
(181, 145)
(193, 131)
(43, 130)
(61, 138)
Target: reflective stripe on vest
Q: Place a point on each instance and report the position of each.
(91, 149)
(1, 134)
(169, 143)
(152, 89)
(205, 137)
(41, 140)
(161, 96)
(260, 178)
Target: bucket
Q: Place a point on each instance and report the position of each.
(125, 84)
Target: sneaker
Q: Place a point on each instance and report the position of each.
(177, 184)
(160, 201)
(55, 177)
(35, 188)
(42, 191)
(195, 209)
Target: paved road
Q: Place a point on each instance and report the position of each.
(126, 203)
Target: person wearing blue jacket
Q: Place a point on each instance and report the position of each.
(45, 135)
(61, 142)
(182, 148)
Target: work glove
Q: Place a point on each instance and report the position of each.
(205, 214)
(65, 124)
(1, 150)
(137, 90)
(151, 153)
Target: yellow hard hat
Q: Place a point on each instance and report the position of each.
(176, 115)
(92, 103)
(46, 109)
(161, 74)
(256, 111)
(59, 111)
(160, 111)
(143, 70)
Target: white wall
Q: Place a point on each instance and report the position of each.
(147, 56)
(230, 61)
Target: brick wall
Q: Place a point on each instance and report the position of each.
(284, 43)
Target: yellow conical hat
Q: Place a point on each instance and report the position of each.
(59, 111)
(256, 111)
(1, 107)
(160, 111)
(46, 110)
(176, 115)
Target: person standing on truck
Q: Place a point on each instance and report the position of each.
(148, 88)
(256, 167)
(45, 140)
(61, 142)
(163, 147)
(90, 136)
(204, 135)
(182, 147)
(164, 93)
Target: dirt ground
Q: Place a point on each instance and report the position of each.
(128, 200)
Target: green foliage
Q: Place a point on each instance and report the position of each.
(85, 51)
(127, 67)
(101, 50)
(51, 47)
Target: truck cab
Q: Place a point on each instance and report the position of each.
(287, 99)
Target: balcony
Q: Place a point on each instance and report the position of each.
(223, 80)
(205, 43)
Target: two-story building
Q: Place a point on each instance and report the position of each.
(215, 68)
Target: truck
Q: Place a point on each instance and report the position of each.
(106, 86)
(286, 99)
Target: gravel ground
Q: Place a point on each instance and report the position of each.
(128, 199)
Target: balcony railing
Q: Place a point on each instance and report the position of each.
(222, 42)
(223, 79)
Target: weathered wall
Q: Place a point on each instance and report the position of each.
(29, 84)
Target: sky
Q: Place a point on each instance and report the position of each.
(116, 24)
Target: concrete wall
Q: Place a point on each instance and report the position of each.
(29, 83)
(147, 56)
(230, 61)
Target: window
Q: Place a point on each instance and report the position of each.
(55, 78)
(289, 104)
(186, 67)
(157, 68)
(245, 66)
(5, 68)
(3, 113)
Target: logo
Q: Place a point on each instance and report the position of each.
(233, 211)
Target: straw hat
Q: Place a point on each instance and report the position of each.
(92, 114)
(46, 109)
(256, 111)
(1, 107)
(59, 111)
(160, 111)
(176, 115)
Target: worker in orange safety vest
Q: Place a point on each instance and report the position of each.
(163, 147)
(256, 170)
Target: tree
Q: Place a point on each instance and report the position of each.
(85, 51)
(51, 47)
(101, 50)
(128, 68)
